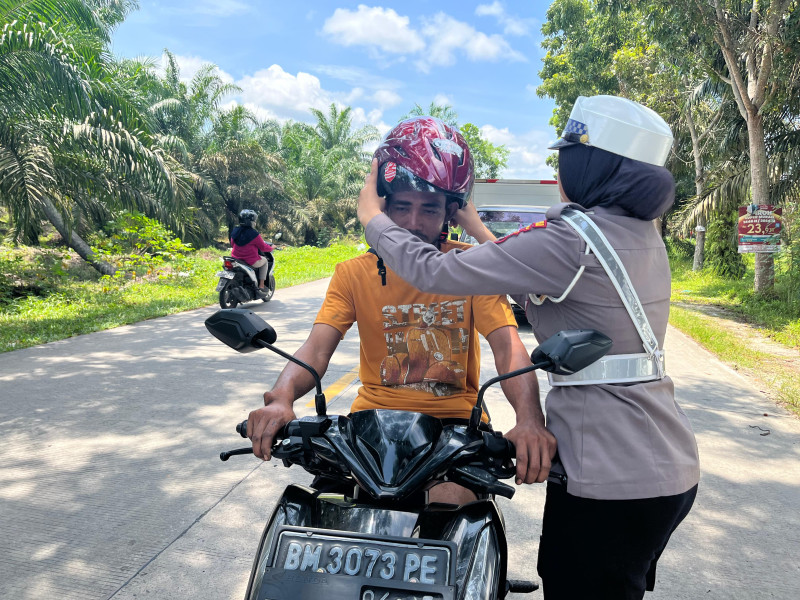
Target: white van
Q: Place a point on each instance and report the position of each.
(507, 205)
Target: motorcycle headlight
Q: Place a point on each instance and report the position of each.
(263, 558)
(482, 576)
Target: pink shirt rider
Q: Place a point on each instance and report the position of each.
(249, 252)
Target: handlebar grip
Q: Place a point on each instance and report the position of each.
(241, 429)
(499, 447)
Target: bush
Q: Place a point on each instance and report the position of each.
(136, 245)
(722, 247)
(679, 249)
(29, 272)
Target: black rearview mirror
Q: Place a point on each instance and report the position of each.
(240, 329)
(571, 350)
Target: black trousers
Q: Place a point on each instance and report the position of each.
(605, 549)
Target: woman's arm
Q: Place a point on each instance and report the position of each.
(469, 219)
(262, 245)
(539, 261)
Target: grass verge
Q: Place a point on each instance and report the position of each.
(777, 373)
(85, 306)
(776, 316)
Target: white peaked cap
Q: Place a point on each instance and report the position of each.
(620, 126)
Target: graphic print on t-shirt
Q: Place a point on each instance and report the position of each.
(426, 347)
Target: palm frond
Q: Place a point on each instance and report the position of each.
(38, 70)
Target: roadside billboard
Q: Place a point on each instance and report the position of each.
(759, 228)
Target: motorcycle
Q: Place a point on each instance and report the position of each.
(377, 537)
(238, 282)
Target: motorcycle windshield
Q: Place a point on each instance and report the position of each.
(393, 443)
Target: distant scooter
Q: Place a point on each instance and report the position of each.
(371, 534)
(238, 281)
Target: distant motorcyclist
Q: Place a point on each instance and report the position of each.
(247, 244)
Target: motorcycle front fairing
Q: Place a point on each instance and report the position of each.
(381, 541)
(317, 545)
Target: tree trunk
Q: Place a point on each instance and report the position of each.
(73, 240)
(700, 230)
(699, 246)
(759, 183)
(765, 272)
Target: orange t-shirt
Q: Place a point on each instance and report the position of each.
(419, 352)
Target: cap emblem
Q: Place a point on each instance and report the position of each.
(574, 126)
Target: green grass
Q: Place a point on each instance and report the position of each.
(85, 306)
(777, 316)
(729, 347)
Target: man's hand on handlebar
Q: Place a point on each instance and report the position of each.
(264, 423)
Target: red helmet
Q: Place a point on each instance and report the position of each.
(424, 154)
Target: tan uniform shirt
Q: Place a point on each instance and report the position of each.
(615, 441)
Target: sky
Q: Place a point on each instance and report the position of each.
(482, 58)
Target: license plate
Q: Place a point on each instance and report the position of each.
(378, 560)
(225, 275)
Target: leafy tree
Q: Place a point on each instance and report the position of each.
(758, 44)
(335, 132)
(242, 175)
(189, 112)
(326, 165)
(489, 159)
(723, 256)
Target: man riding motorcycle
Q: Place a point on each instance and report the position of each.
(419, 352)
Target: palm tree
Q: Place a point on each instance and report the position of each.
(189, 111)
(335, 132)
(445, 112)
(243, 175)
(326, 168)
(73, 144)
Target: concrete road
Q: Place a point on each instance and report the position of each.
(111, 486)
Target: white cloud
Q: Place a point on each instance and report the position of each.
(374, 117)
(382, 31)
(386, 98)
(373, 27)
(353, 96)
(447, 36)
(495, 9)
(442, 100)
(512, 25)
(527, 152)
(358, 77)
(282, 93)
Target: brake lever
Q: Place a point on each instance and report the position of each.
(476, 477)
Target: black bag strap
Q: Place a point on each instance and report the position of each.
(381, 266)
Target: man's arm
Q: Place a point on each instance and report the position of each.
(535, 445)
(293, 383)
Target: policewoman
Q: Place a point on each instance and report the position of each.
(629, 456)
